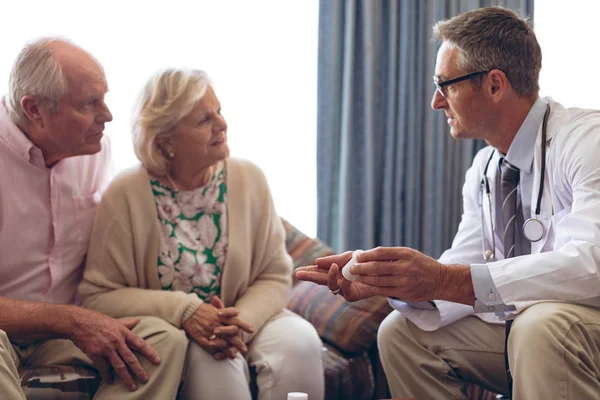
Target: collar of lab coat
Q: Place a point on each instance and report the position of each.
(521, 151)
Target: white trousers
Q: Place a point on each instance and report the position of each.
(553, 349)
(287, 356)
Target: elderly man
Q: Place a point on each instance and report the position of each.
(54, 164)
(527, 249)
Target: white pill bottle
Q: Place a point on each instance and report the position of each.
(346, 270)
(297, 396)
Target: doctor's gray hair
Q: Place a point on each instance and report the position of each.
(36, 72)
(495, 38)
(168, 97)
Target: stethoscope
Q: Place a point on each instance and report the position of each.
(533, 228)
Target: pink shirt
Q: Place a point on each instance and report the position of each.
(46, 216)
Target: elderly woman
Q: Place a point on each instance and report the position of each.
(190, 227)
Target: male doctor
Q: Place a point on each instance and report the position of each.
(534, 261)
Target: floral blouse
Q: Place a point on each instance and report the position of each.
(193, 236)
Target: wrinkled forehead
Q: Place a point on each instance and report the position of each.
(75, 62)
(86, 79)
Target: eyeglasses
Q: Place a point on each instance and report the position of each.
(441, 85)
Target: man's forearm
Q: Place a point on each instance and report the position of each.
(457, 284)
(31, 320)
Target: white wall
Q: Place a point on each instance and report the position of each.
(568, 34)
(261, 54)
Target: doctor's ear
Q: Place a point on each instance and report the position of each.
(497, 83)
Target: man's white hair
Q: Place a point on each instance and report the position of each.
(36, 72)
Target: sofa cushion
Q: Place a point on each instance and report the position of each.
(302, 249)
(351, 327)
(347, 377)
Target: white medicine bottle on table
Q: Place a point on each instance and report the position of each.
(297, 396)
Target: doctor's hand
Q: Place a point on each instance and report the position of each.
(398, 272)
(411, 276)
(327, 272)
(319, 273)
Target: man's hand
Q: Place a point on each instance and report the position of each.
(328, 271)
(109, 343)
(332, 278)
(398, 272)
(319, 273)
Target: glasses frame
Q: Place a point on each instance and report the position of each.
(439, 86)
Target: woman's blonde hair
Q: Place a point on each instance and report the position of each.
(167, 98)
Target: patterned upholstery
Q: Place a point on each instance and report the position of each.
(351, 327)
(347, 377)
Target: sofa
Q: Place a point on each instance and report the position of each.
(348, 332)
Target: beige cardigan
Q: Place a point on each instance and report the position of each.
(121, 274)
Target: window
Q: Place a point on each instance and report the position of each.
(567, 34)
(261, 55)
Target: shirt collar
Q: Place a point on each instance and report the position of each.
(521, 151)
(14, 138)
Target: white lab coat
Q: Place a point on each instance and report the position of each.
(564, 265)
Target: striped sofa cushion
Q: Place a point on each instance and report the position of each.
(347, 378)
(351, 327)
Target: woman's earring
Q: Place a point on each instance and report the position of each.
(168, 154)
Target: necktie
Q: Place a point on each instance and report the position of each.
(511, 234)
(509, 180)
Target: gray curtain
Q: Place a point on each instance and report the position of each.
(388, 171)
